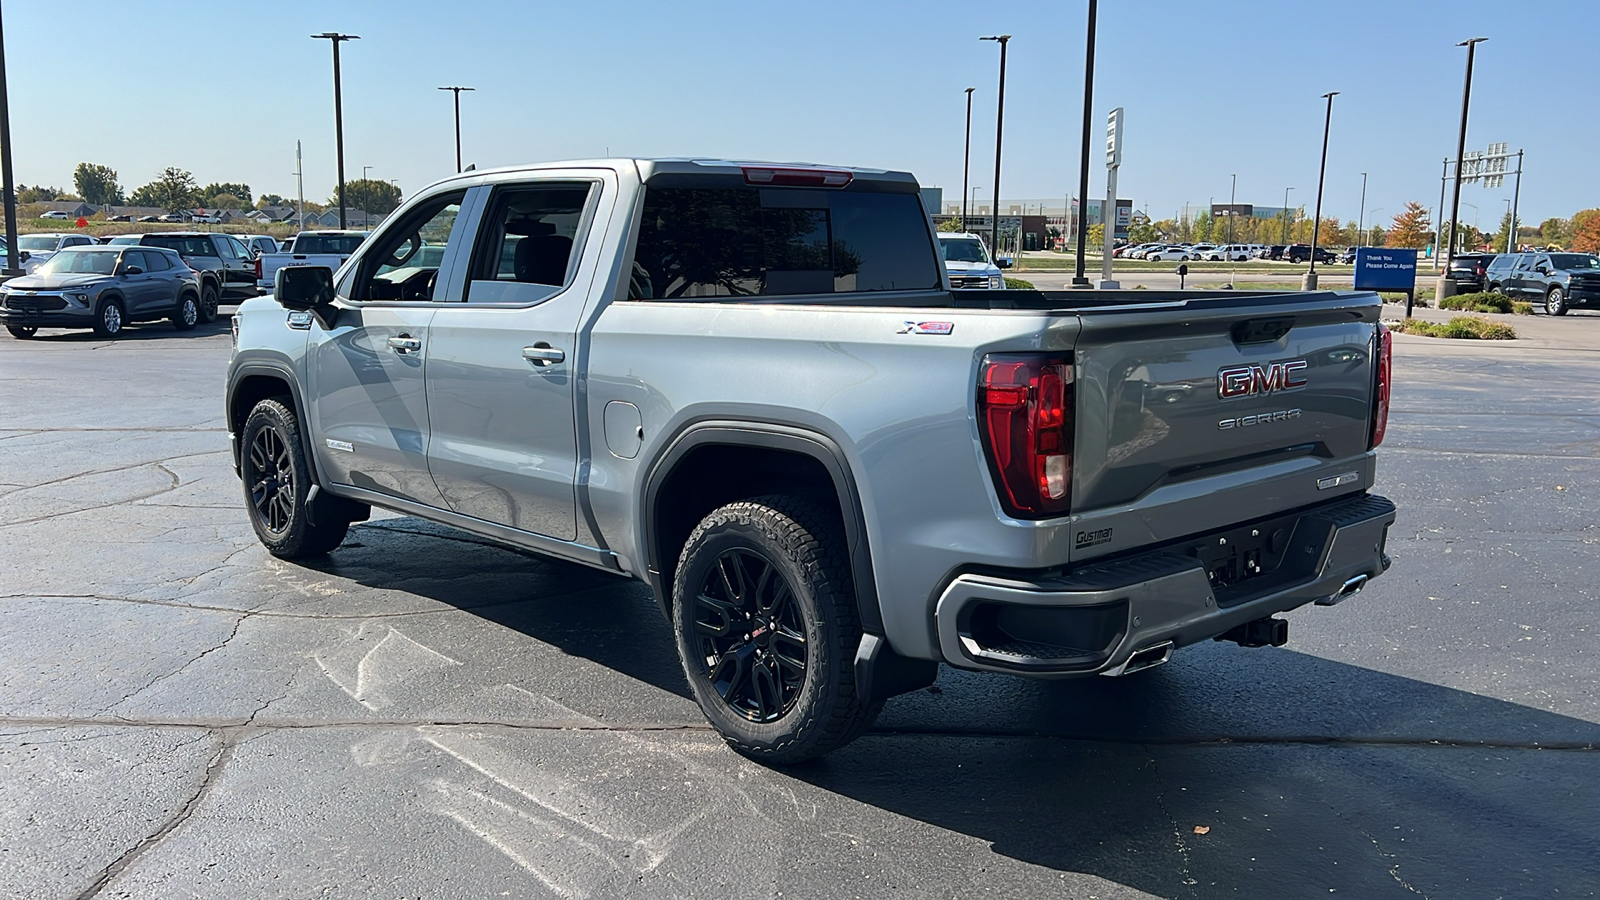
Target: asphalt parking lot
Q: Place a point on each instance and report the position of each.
(426, 715)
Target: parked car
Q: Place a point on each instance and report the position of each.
(227, 270)
(172, 217)
(1169, 254)
(42, 246)
(1299, 253)
(967, 261)
(1271, 251)
(747, 386)
(258, 244)
(1348, 255)
(150, 219)
(205, 219)
(54, 214)
(1561, 281)
(1229, 253)
(123, 217)
(103, 288)
(1469, 271)
(1199, 251)
(311, 248)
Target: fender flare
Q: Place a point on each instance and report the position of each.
(767, 436)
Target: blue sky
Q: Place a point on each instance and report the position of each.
(225, 89)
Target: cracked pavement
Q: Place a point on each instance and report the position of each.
(427, 714)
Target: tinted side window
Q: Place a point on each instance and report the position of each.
(158, 262)
(749, 241)
(186, 246)
(526, 246)
(339, 244)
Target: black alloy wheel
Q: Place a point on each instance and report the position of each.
(269, 477)
(277, 485)
(767, 627)
(187, 313)
(750, 633)
(108, 322)
(208, 304)
(22, 332)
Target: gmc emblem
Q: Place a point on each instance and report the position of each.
(1254, 380)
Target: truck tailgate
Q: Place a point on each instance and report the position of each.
(1216, 413)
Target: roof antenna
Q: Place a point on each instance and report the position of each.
(471, 167)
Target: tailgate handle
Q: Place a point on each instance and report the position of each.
(1261, 331)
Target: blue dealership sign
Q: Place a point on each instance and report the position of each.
(1386, 269)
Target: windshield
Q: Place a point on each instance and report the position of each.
(36, 242)
(81, 262)
(341, 244)
(1570, 261)
(964, 250)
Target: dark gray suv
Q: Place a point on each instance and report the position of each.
(103, 288)
(1561, 281)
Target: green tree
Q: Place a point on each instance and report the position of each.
(1555, 231)
(226, 201)
(1142, 233)
(37, 194)
(1411, 228)
(97, 184)
(1097, 236)
(952, 224)
(1376, 237)
(173, 190)
(240, 191)
(1202, 226)
(1502, 237)
(368, 194)
(271, 200)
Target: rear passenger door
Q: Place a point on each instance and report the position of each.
(503, 354)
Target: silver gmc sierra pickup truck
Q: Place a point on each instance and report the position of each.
(751, 386)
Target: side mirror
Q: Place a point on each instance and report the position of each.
(132, 270)
(303, 287)
(1004, 262)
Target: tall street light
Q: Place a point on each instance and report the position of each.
(1361, 217)
(1233, 195)
(1286, 214)
(1316, 220)
(999, 132)
(973, 194)
(336, 39)
(966, 160)
(457, 91)
(13, 254)
(1447, 282)
(1079, 280)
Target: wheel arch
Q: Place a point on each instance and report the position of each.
(250, 384)
(709, 464)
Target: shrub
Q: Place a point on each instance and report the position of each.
(1521, 308)
(1018, 284)
(1400, 299)
(1460, 327)
(1485, 302)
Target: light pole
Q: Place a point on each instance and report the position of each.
(999, 132)
(1511, 225)
(1375, 212)
(1322, 173)
(1361, 217)
(1516, 197)
(1286, 215)
(966, 160)
(1447, 282)
(1474, 222)
(13, 254)
(1079, 280)
(457, 91)
(973, 194)
(1233, 195)
(336, 39)
(364, 170)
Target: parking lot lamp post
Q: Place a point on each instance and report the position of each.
(1286, 215)
(1361, 217)
(1447, 282)
(335, 38)
(13, 264)
(1079, 280)
(966, 160)
(1233, 194)
(1516, 195)
(1316, 216)
(457, 91)
(999, 132)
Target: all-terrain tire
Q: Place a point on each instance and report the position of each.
(277, 481)
(801, 543)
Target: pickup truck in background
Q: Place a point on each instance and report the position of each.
(967, 262)
(310, 248)
(750, 386)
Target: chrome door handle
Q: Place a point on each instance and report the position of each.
(404, 344)
(543, 355)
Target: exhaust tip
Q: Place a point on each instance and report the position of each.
(1143, 658)
(1346, 591)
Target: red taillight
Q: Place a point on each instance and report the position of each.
(258, 268)
(1380, 400)
(1025, 418)
(796, 177)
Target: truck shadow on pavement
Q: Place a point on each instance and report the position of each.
(1267, 773)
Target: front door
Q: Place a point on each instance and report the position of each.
(368, 367)
(500, 386)
(238, 268)
(145, 290)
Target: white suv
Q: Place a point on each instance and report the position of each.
(1231, 253)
